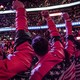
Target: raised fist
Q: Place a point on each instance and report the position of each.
(45, 14)
(65, 16)
(17, 4)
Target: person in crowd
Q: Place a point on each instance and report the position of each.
(51, 60)
(23, 51)
(75, 43)
(56, 63)
(70, 48)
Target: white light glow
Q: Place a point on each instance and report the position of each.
(64, 30)
(43, 8)
(78, 38)
(1, 6)
(7, 11)
(55, 14)
(39, 27)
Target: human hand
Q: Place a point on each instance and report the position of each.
(65, 16)
(17, 4)
(45, 14)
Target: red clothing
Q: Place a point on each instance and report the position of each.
(70, 48)
(53, 65)
(77, 60)
(69, 73)
(77, 64)
(22, 57)
(54, 56)
(20, 61)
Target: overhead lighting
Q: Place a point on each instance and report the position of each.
(78, 38)
(44, 8)
(39, 27)
(56, 14)
(1, 6)
(54, 7)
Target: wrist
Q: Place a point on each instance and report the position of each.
(19, 6)
(48, 18)
(20, 12)
(68, 20)
(20, 9)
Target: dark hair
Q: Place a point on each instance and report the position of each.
(40, 45)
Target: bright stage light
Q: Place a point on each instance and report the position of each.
(78, 38)
(56, 14)
(44, 8)
(39, 27)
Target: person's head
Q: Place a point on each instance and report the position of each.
(40, 45)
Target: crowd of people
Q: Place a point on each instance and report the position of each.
(40, 57)
(8, 20)
(37, 3)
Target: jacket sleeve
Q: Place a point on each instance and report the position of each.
(23, 54)
(69, 38)
(18, 62)
(57, 46)
(52, 27)
(54, 56)
(70, 47)
(22, 32)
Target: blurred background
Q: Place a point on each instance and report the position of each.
(36, 24)
(7, 20)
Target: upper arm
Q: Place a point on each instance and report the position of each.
(58, 49)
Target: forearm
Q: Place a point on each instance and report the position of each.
(68, 27)
(70, 47)
(22, 33)
(21, 21)
(57, 43)
(52, 27)
(69, 37)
